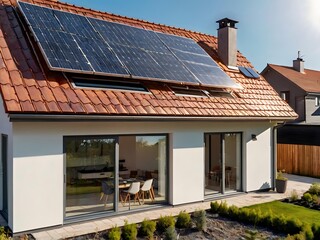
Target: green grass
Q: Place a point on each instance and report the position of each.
(289, 210)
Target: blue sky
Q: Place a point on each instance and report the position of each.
(268, 31)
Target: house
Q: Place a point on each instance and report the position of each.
(298, 140)
(92, 102)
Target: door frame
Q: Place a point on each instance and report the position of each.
(222, 163)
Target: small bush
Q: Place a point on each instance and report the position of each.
(314, 189)
(223, 209)
(294, 195)
(316, 231)
(164, 223)
(170, 233)
(129, 231)
(199, 218)
(233, 212)
(267, 219)
(315, 198)
(293, 226)
(4, 234)
(147, 228)
(279, 223)
(183, 220)
(307, 197)
(244, 215)
(114, 233)
(214, 207)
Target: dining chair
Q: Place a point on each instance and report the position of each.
(134, 189)
(147, 188)
(107, 190)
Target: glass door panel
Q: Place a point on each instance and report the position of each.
(222, 162)
(213, 164)
(90, 171)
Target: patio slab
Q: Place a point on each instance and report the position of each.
(297, 183)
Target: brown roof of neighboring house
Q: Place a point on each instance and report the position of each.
(28, 88)
(309, 81)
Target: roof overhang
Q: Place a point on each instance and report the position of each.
(90, 118)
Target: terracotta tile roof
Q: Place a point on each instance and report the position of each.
(309, 81)
(28, 88)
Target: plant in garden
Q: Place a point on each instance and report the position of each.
(214, 206)
(164, 222)
(129, 231)
(170, 233)
(114, 233)
(4, 235)
(307, 197)
(314, 189)
(293, 196)
(183, 220)
(199, 218)
(147, 228)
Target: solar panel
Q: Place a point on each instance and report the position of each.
(248, 72)
(253, 73)
(75, 43)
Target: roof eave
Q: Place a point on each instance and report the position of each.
(82, 118)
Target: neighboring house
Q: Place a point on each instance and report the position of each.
(70, 131)
(299, 144)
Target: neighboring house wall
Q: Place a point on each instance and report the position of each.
(281, 83)
(6, 129)
(312, 109)
(39, 162)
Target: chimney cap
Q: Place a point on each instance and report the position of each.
(227, 22)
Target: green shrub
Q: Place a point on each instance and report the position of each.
(4, 234)
(234, 212)
(183, 220)
(223, 209)
(308, 232)
(129, 231)
(170, 233)
(294, 195)
(307, 197)
(316, 230)
(214, 206)
(147, 228)
(315, 198)
(199, 218)
(293, 226)
(114, 233)
(279, 223)
(314, 189)
(164, 223)
(298, 236)
(244, 215)
(266, 219)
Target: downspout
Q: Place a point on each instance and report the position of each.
(274, 154)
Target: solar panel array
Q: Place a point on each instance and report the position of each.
(75, 43)
(249, 72)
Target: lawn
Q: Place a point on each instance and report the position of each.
(289, 210)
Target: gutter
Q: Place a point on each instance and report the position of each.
(81, 118)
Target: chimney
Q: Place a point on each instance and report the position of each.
(298, 64)
(227, 42)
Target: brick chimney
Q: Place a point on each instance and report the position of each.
(227, 42)
(298, 64)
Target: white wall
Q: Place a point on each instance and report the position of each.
(38, 162)
(6, 128)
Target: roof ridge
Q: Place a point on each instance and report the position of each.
(43, 2)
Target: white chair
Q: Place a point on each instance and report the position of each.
(147, 188)
(134, 189)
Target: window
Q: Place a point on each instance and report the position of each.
(108, 84)
(316, 101)
(101, 169)
(285, 95)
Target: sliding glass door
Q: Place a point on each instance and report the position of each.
(222, 162)
(106, 174)
(89, 177)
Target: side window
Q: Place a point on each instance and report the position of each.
(285, 95)
(316, 101)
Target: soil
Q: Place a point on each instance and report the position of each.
(217, 228)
